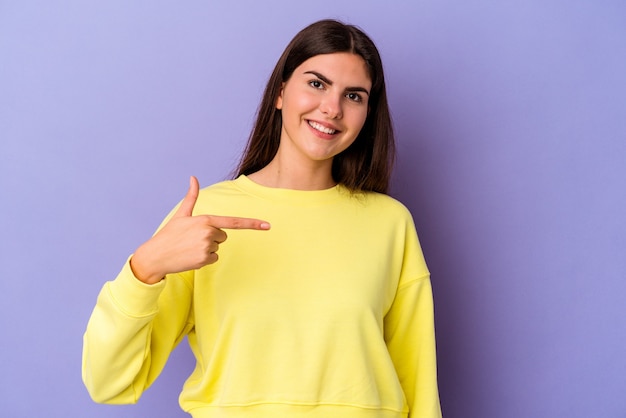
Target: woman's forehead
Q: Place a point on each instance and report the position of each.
(338, 67)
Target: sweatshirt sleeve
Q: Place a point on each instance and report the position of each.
(410, 333)
(410, 337)
(130, 334)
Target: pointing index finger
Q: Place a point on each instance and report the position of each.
(232, 222)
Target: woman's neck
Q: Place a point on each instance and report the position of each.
(290, 176)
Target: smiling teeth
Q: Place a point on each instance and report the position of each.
(321, 128)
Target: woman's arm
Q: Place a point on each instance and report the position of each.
(410, 330)
(131, 332)
(139, 317)
(410, 337)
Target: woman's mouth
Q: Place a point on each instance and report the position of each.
(321, 128)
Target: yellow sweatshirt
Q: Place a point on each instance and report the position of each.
(328, 314)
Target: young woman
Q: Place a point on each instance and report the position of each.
(328, 312)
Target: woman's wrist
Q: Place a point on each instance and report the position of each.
(141, 269)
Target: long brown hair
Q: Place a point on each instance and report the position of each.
(364, 166)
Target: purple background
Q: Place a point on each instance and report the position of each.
(511, 121)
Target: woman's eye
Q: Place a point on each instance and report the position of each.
(316, 84)
(355, 97)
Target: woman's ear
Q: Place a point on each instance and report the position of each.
(279, 100)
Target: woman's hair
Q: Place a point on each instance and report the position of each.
(366, 164)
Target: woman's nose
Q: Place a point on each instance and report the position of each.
(331, 106)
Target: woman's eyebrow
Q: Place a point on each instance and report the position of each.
(330, 83)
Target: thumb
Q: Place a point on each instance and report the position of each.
(186, 206)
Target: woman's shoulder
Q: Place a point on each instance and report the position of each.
(386, 202)
(381, 206)
(216, 187)
(216, 195)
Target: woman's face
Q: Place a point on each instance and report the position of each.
(324, 105)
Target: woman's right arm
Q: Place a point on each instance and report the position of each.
(139, 317)
(132, 330)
